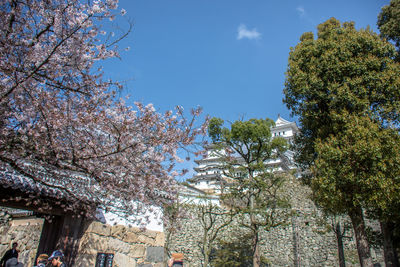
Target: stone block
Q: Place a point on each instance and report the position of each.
(85, 260)
(160, 239)
(99, 228)
(118, 231)
(92, 243)
(121, 260)
(137, 251)
(118, 246)
(134, 230)
(3, 248)
(151, 234)
(146, 240)
(131, 237)
(155, 254)
(20, 235)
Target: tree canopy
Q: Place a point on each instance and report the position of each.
(344, 69)
(345, 88)
(359, 165)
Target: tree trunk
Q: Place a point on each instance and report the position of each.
(206, 257)
(364, 253)
(205, 249)
(256, 249)
(254, 226)
(389, 251)
(339, 238)
(166, 247)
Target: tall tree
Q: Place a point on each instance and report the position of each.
(389, 26)
(254, 188)
(358, 165)
(343, 82)
(60, 117)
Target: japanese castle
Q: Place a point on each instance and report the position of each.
(208, 177)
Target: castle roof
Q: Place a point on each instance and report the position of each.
(281, 123)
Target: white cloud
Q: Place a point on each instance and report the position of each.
(301, 11)
(243, 32)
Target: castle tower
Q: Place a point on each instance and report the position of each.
(209, 176)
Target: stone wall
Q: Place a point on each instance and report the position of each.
(132, 247)
(26, 232)
(304, 241)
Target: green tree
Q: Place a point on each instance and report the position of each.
(357, 165)
(253, 189)
(389, 26)
(389, 22)
(344, 87)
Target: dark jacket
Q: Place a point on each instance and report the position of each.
(11, 253)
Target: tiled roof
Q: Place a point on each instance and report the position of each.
(12, 180)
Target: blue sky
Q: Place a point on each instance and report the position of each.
(228, 56)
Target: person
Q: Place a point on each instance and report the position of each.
(176, 260)
(57, 259)
(42, 260)
(11, 253)
(13, 262)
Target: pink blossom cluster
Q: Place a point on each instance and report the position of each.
(56, 111)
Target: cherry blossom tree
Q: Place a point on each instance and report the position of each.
(61, 124)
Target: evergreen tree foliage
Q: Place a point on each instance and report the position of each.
(345, 88)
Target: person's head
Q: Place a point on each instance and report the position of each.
(14, 245)
(56, 258)
(42, 258)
